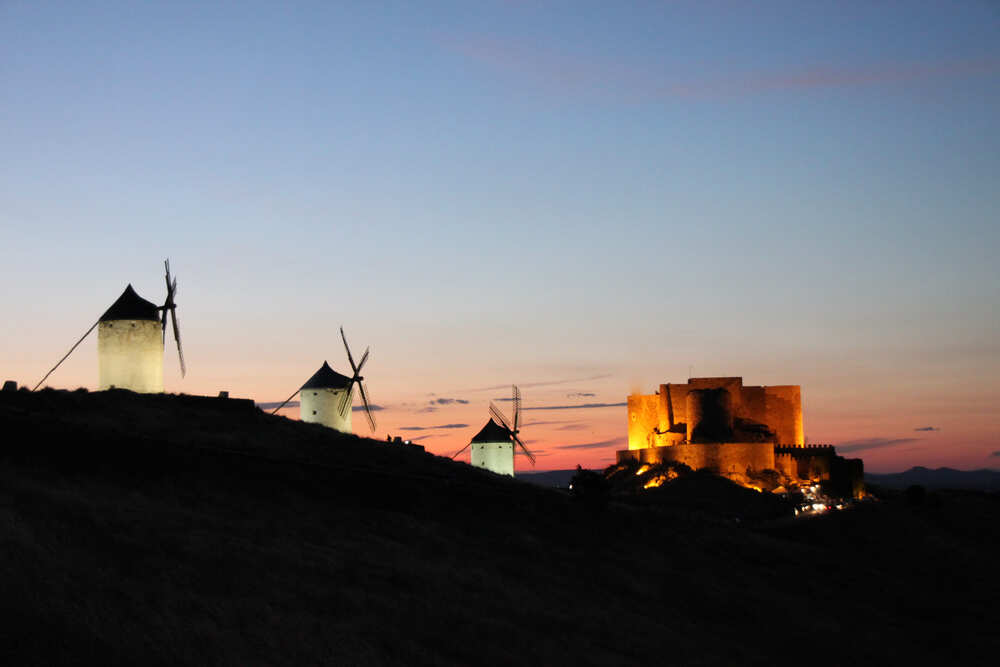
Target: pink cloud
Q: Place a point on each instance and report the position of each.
(824, 76)
(577, 75)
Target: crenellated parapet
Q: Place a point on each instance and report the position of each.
(800, 449)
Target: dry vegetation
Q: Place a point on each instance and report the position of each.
(169, 530)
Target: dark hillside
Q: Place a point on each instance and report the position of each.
(179, 530)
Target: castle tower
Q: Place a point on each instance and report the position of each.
(321, 396)
(493, 449)
(130, 345)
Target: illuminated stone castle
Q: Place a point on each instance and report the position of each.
(738, 431)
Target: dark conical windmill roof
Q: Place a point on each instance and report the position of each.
(492, 432)
(131, 306)
(327, 378)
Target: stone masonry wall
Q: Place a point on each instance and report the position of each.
(783, 413)
(728, 458)
(643, 419)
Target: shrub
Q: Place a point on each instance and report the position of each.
(915, 495)
(590, 489)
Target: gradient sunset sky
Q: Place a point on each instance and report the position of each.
(583, 198)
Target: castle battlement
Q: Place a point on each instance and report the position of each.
(793, 449)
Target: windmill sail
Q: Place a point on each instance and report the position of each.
(358, 380)
(170, 306)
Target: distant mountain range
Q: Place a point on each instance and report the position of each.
(939, 478)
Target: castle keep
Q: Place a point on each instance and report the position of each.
(741, 432)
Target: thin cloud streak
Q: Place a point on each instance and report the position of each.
(581, 406)
(824, 76)
(594, 445)
(432, 428)
(573, 73)
(447, 401)
(543, 384)
(573, 427)
(871, 443)
(553, 421)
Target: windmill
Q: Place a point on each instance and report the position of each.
(493, 447)
(326, 397)
(129, 353)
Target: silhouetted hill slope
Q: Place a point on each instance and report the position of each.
(939, 478)
(176, 530)
(551, 478)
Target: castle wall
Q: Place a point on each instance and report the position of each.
(786, 465)
(732, 385)
(728, 458)
(678, 402)
(805, 463)
(664, 409)
(643, 419)
(754, 404)
(710, 415)
(783, 413)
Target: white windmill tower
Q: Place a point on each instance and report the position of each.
(493, 447)
(326, 398)
(130, 345)
(131, 335)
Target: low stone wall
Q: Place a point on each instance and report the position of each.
(727, 458)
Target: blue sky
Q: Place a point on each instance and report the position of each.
(492, 192)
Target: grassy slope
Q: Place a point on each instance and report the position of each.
(171, 531)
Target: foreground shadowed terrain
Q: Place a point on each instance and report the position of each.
(175, 530)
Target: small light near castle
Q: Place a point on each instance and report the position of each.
(655, 482)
